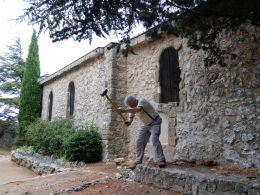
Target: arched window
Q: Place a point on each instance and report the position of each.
(71, 99)
(50, 103)
(169, 76)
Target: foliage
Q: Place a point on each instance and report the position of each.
(48, 137)
(27, 149)
(59, 138)
(82, 19)
(84, 145)
(11, 74)
(30, 99)
(198, 20)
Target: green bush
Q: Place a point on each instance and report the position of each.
(84, 145)
(48, 137)
(60, 139)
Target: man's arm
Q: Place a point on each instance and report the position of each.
(132, 110)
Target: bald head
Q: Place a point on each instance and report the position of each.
(130, 100)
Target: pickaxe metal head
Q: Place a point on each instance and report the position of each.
(103, 93)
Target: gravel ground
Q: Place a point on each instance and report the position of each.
(119, 187)
(19, 180)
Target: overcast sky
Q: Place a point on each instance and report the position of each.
(53, 56)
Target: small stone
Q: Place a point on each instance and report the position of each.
(247, 137)
(229, 136)
(225, 123)
(119, 161)
(256, 185)
(253, 192)
(230, 112)
(240, 188)
(225, 186)
(118, 176)
(246, 147)
(214, 99)
(233, 100)
(257, 127)
(212, 187)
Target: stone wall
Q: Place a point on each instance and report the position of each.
(142, 81)
(220, 113)
(88, 80)
(199, 180)
(40, 164)
(90, 77)
(217, 118)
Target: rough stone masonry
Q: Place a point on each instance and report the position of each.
(217, 118)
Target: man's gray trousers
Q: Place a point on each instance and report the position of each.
(143, 136)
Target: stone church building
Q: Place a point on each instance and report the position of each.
(210, 113)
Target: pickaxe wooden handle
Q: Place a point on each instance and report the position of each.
(104, 93)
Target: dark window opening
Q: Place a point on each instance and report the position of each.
(169, 76)
(50, 104)
(71, 98)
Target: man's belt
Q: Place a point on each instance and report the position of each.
(156, 117)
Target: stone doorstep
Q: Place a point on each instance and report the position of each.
(188, 181)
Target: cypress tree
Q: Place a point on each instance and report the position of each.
(30, 98)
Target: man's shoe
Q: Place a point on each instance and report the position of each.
(133, 165)
(162, 164)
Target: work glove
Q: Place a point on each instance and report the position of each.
(128, 123)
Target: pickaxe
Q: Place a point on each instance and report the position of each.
(104, 93)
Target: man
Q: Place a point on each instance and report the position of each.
(151, 126)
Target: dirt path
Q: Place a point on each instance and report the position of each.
(4, 152)
(9, 171)
(55, 182)
(12, 172)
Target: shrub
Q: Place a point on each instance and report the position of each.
(59, 138)
(84, 145)
(48, 137)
